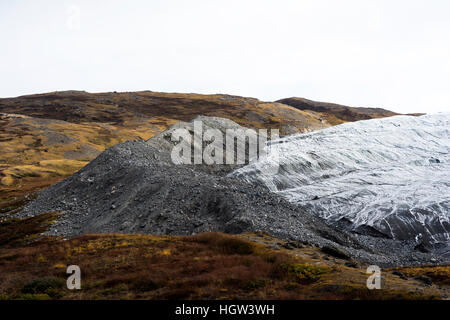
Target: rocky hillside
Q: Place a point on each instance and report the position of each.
(46, 137)
(134, 187)
(49, 136)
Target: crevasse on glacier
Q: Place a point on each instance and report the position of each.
(385, 177)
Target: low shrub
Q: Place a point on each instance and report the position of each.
(225, 244)
(257, 284)
(47, 285)
(301, 272)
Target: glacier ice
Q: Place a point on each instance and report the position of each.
(386, 177)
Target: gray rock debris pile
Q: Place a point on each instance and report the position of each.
(133, 187)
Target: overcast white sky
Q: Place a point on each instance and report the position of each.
(393, 54)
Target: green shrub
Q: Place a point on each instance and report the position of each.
(29, 296)
(47, 285)
(301, 272)
(115, 290)
(257, 284)
(306, 271)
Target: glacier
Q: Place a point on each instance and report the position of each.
(385, 177)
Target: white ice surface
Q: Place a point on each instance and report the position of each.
(390, 174)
